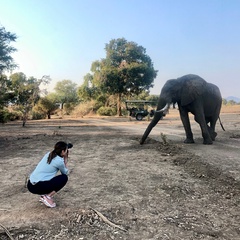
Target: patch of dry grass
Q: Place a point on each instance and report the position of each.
(230, 109)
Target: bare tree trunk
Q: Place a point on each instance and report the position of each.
(25, 116)
(61, 108)
(119, 109)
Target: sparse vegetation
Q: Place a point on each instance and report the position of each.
(164, 139)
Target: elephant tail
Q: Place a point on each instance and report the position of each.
(221, 124)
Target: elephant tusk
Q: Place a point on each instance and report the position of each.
(165, 109)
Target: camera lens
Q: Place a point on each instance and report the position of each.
(69, 145)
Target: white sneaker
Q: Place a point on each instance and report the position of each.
(48, 201)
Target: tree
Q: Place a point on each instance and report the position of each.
(5, 94)
(45, 106)
(87, 90)
(66, 92)
(231, 102)
(126, 70)
(26, 92)
(6, 64)
(6, 61)
(224, 101)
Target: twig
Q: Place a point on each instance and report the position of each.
(79, 218)
(7, 232)
(107, 221)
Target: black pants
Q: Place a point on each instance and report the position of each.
(46, 187)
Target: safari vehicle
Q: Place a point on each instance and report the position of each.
(139, 108)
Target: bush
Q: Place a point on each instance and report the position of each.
(6, 115)
(125, 112)
(83, 109)
(15, 115)
(107, 111)
(68, 108)
(36, 115)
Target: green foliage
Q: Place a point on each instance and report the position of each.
(4, 115)
(97, 105)
(6, 64)
(44, 107)
(153, 98)
(23, 89)
(125, 112)
(6, 61)
(107, 111)
(164, 139)
(144, 95)
(68, 108)
(224, 101)
(14, 115)
(125, 71)
(127, 68)
(88, 91)
(66, 91)
(5, 94)
(38, 115)
(231, 103)
(25, 92)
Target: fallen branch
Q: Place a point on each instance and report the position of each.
(107, 221)
(7, 232)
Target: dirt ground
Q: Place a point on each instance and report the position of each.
(150, 191)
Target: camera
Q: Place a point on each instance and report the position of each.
(69, 145)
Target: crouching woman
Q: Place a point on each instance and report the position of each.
(44, 181)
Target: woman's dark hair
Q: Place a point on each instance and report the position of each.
(59, 146)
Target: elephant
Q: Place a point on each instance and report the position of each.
(192, 94)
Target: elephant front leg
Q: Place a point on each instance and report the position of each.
(186, 124)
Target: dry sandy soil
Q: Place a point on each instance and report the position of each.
(151, 191)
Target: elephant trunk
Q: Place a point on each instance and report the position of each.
(157, 116)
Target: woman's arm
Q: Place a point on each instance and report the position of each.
(65, 157)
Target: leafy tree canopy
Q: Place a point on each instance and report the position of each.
(5, 95)
(127, 69)
(46, 106)
(6, 64)
(66, 91)
(87, 90)
(6, 60)
(25, 92)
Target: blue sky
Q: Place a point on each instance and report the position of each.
(62, 38)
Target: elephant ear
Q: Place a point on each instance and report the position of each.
(192, 88)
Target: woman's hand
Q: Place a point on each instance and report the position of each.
(65, 157)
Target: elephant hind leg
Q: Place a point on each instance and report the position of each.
(212, 133)
(207, 138)
(213, 136)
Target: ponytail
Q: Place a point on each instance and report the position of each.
(58, 148)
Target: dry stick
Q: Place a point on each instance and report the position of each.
(7, 232)
(107, 221)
